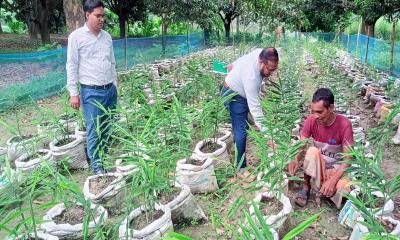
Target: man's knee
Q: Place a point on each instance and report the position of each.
(312, 151)
(311, 157)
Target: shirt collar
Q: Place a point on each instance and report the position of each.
(86, 28)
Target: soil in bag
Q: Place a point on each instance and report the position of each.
(64, 141)
(34, 156)
(210, 147)
(74, 215)
(97, 185)
(196, 162)
(144, 219)
(270, 206)
(166, 197)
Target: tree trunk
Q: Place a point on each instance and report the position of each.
(392, 47)
(32, 23)
(207, 33)
(237, 28)
(365, 26)
(227, 27)
(122, 26)
(1, 29)
(260, 31)
(74, 15)
(33, 29)
(187, 39)
(43, 17)
(164, 34)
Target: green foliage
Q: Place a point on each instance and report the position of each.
(324, 15)
(148, 28)
(383, 29)
(48, 46)
(16, 27)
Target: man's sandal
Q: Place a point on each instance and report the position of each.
(302, 197)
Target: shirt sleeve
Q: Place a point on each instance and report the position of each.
(348, 139)
(72, 65)
(113, 66)
(253, 101)
(306, 130)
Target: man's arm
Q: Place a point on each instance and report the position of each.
(294, 165)
(253, 101)
(113, 67)
(72, 71)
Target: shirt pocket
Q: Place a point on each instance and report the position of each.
(104, 51)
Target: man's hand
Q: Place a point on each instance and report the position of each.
(74, 102)
(292, 167)
(328, 187)
(229, 67)
(271, 144)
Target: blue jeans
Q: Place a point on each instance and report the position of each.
(238, 110)
(97, 123)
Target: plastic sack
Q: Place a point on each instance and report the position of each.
(199, 179)
(278, 220)
(66, 230)
(74, 151)
(24, 166)
(220, 156)
(111, 197)
(153, 231)
(184, 206)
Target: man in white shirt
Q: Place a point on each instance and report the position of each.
(91, 64)
(245, 78)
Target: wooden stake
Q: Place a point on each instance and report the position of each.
(126, 45)
(366, 50)
(392, 47)
(358, 36)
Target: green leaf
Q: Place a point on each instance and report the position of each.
(300, 228)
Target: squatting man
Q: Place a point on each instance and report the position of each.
(331, 136)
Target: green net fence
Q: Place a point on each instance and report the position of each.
(30, 76)
(379, 51)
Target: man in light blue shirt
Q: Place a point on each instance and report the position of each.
(91, 64)
(245, 79)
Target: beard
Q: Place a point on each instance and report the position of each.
(263, 75)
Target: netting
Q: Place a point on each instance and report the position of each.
(378, 50)
(31, 76)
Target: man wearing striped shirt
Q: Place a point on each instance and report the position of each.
(244, 79)
(91, 65)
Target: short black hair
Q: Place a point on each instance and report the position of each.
(324, 94)
(90, 5)
(269, 54)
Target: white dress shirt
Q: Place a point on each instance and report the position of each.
(90, 59)
(245, 79)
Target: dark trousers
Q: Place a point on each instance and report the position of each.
(239, 111)
(97, 123)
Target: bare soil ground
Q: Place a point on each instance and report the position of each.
(20, 43)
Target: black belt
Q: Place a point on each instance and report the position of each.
(107, 86)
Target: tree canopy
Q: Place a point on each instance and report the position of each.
(42, 17)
